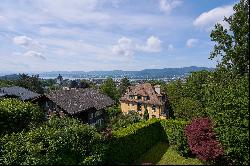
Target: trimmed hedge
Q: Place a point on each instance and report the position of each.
(174, 131)
(128, 144)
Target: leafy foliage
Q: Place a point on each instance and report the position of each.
(228, 107)
(16, 115)
(187, 99)
(187, 108)
(202, 140)
(122, 121)
(124, 85)
(130, 143)
(60, 141)
(174, 132)
(233, 44)
(6, 83)
(109, 88)
(30, 82)
(146, 115)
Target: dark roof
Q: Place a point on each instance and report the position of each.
(77, 100)
(145, 89)
(19, 92)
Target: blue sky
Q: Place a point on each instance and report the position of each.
(46, 35)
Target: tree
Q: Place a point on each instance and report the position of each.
(73, 84)
(109, 88)
(16, 115)
(174, 92)
(194, 86)
(60, 141)
(124, 85)
(233, 44)
(86, 84)
(202, 140)
(188, 108)
(30, 82)
(228, 108)
(146, 115)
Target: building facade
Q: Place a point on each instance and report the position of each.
(144, 98)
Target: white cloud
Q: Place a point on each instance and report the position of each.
(191, 42)
(125, 47)
(34, 54)
(208, 19)
(27, 42)
(167, 5)
(153, 45)
(170, 47)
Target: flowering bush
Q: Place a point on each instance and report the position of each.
(202, 140)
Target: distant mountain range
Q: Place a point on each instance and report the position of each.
(146, 73)
(143, 74)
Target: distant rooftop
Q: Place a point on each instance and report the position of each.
(19, 92)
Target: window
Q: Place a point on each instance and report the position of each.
(154, 108)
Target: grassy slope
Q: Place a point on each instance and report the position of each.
(164, 155)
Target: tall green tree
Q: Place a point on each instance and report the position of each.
(194, 86)
(232, 44)
(30, 82)
(109, 88)
(124, 85)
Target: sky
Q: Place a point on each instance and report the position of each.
(87, 35)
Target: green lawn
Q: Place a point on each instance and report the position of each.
(162, 154)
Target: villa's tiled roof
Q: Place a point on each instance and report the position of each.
(19, 92)
(77, 100)
(142, 90)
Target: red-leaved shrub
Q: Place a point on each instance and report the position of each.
(202, 140)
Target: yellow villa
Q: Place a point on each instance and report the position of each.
(145, 97)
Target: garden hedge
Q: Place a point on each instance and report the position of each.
(128, 144)
(174, 131)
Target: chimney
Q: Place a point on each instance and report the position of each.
(157, 89)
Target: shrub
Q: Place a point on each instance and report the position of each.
(122, 121)
(128, 144)
(16, 115)
(202, 140)
(62, 141)
(174, 132)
